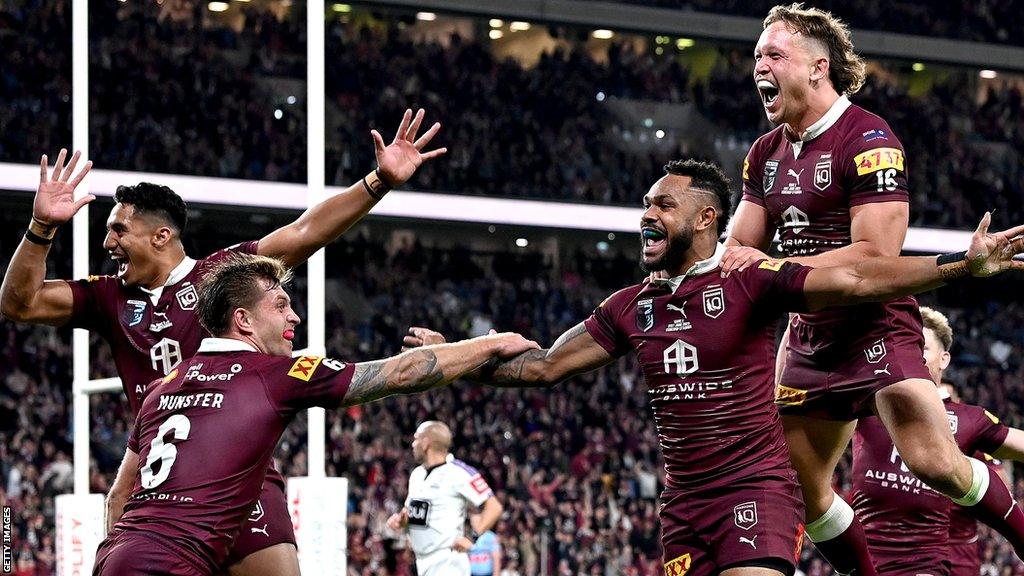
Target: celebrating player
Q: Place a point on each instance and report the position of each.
(832, 180)
(147, 311)
(906, 523)
(205, 434)
(705, 343)
(435, 507)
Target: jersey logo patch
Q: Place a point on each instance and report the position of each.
(771, 264)
(745, 515)
(954, 422)
(187, 297)
(714, 301)
(645, 315)
(746, 167)
(678, 566)
(878, 159)
(419, 511)
(304, 367)
(823, 172)
(786, 396)
(479, 484)
(771, 169)
(992, 417)
(874, 135)
(133, 311)
(876, 351)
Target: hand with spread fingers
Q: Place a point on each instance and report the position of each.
(738, 258)
(400, 159)
(419, 336)
(55, 201)
(992, 253)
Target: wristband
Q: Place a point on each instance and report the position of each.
(40, 233)
(952, 266)
(375, 185)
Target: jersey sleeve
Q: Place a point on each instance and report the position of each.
(874, 165)
(753, 177)
(603, 324)
(990, 433)
(94, 303)
(133, 434)
(294, 384)
(777, 283)
(473, 487)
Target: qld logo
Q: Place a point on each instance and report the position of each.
(823, 172)
(876, 351)
(187, 297)
(714, 301)
(745, 515)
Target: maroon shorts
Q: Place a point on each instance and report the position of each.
(750, 522)
(965, 559)
(909, 562)
(833, 370)
(269, 523)
(130, 553)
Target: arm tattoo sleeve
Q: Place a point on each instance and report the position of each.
(516, 372)
(413, 371)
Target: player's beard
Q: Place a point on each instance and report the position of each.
(674, 255)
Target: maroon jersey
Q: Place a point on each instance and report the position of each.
(205, 435)
(149, 331)
(848, 158)
(899, 512)
(706, 346)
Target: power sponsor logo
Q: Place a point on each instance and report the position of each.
(678, 566)
(878, 159)
(788, 396)
(304, 367)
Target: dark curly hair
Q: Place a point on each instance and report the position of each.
(846, 69)
(709, 178)
(155, 200)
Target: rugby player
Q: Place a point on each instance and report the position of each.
(705, 344)
(908, 525)
(146, 312)
(205, 434)
(831, 179)
(434, 513)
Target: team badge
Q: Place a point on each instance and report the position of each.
(714, 301)
(645, 315)
(745, 515)
(787, 396)
(678, 566)
(187, 297)
(133, 311)
(795, 219)
(823, 172)
(771, 264)
(771, 169)
(304, 367)
(876, 351)
(257, 512)
(954, 422)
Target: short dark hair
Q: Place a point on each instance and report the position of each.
(708, 177)
(235, 283)
(156, 200)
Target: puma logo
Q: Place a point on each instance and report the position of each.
(750, 541)
(883, 370)
(679, 309)
(796, 175)
(264, 531)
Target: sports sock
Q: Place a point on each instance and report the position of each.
(839, 536)
(990, 501)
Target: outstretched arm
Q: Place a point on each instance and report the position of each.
(881, 279)
(574, 352)
(323, 223)
(1013, 446)
(429, 367)
(26, 295)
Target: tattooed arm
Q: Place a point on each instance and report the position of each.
(429, 367)
(574, 352)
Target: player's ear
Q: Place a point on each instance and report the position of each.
(819, 69)
(242, 319)
(162, 235)
(944, 360)
(706, 218)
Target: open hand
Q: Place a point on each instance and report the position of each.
(993, 253)
(510, 344)
(399, 160)
(55, 201)
(738, 258)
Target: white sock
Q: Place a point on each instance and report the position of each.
(832, 523)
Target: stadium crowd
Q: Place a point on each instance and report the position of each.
(174, 96)
(577, 467)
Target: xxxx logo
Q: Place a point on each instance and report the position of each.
(304, 367)
(679, 566)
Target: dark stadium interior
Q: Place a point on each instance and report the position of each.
(578, 467)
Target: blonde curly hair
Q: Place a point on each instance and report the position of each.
(846, 69)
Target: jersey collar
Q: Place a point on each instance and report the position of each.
(224, 345)
(180, 271)
(823, 123)
(702, 267)
(943, 393)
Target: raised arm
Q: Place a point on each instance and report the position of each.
(26, 295)
(323, 223)
(124, 483)
(429, 367)
(884, 278)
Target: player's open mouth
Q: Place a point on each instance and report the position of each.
(122, 264)
(653, 240)
(768, 91)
